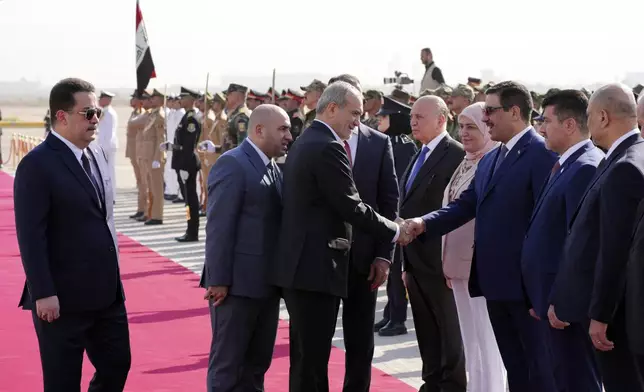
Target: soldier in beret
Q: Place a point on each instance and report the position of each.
(186, 162)
(372, 104)
(238, 114)
(312, 94)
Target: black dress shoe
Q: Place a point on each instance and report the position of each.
(170, 197)
(178, 200)
(187, 238)
(137, 215)
(202, 213)
(142, 218)
(154, 222)
(393, 329)
(378, 326)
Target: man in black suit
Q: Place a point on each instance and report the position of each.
(590, 285)
(244, 212)
(373, 170)
(432, 301)
(69, 249)
(321, 204)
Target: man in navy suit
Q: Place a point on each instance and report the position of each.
(243, 223)
(590, 285)
(502, 196)
(372, 163)
(69, 249)
(564, 128)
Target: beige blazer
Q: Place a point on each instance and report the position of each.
(458, 245)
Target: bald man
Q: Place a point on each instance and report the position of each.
(591, 285)
(433, 306)
(640, 111)
(243, 222)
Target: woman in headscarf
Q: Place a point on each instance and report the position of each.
(394, 121)
(482, 357)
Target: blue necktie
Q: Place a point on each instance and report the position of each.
(419, 163)
(503, 152)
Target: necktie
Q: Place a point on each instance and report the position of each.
(347, 148)
(414, 171)
(88, 170)
(274, 176)
(502, 154)
(554, 171)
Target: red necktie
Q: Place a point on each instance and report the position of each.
(554, 170)
(348, 150)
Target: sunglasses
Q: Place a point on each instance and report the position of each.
(91, 112)
(491, 109)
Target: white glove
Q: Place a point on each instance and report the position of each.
(156, 164)
(165, 146)
(207, 146)
(184, 175)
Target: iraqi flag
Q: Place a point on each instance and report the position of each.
(144, 63)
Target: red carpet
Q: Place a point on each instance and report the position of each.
(169, 324)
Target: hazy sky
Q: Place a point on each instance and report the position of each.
(555, 41)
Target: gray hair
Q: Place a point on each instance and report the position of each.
(337, 93)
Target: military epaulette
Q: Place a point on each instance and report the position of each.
(245, 110)
(406, 139)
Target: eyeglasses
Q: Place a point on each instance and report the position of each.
(89, 113)
(488, 110)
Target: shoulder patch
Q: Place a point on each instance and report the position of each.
(241, 126)
(191, 114)
(191, 127)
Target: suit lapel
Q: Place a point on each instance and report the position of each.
(604, 167)
(74, 166)
(362, 148)
(254, 158)
(513, 156)
(433, 159)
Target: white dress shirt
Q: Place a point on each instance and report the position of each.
(620, 140)
(571, 150)
(261, 154)
(78, 153)
(515, 139)
(431, 146)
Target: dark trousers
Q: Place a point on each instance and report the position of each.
(181, 188)
(619, 366)
(438, 333)
(313, 317)
(189, 192)
(524, 343)
(358, 314)
(574, 360)
(103, 334)
(396, 308)
(243, 337)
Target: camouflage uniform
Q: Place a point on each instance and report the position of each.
(237, 119)
(467, 92)
(314, 86)
(372, 121)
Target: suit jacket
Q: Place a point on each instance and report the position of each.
(634, 297)
(66, 235)
(544, 240)
(502, 203)
(243, 221)
(426, 195)
(321, 203)
(592, 276)
(377, 184)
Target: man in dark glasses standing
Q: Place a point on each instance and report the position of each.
(69, 249)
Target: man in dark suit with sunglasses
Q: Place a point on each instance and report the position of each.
(69, 249)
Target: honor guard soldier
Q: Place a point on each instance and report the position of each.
(130, 149)
(186, 162)
(208, 121)
(215, 133)
(372, 104)
(238, 113)
(138, 124)
(312, 94)
(152, 159)
(254, 99)
(292, 107)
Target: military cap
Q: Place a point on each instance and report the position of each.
(283, 98)
(219, 97)
(473, 80)
(391, 106)
(426, 92)
(254, 94)
(294, 94)
(372, 94)
(186, 92)
(444, 91)
(400, 95)
(536, 116)
(234, 87)
(156, 93)
(106, 94)
(463, 90)
(315, 85)
(637, 90)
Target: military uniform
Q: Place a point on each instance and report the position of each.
(463, 91)
(316, 86)
(238, 118)
(137, 125)
(186, 162)
(369, 120)
(152, 162)
(130, 152)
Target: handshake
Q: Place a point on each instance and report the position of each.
(409, 230)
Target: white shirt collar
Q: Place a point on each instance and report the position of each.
(570, 151)
(332, 131)
(620, 140)
(434, 142)
(515, 139)
(77, 151)
(264, 157)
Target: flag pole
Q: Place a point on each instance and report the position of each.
(165, 117)
(273, 89)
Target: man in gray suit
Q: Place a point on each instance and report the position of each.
(243, 220)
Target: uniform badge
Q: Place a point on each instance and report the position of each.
(191, 128)
(241, 126)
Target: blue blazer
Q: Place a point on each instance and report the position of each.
(502, 203)
(544, 241)
(243, 223)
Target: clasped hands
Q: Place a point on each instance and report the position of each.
(409, 230)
